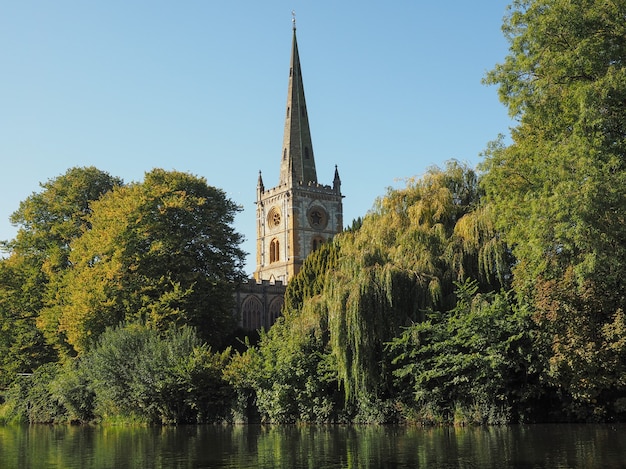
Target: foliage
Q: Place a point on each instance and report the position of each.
(356, 293)
(457, 299)
(474, 364)
(309, 282)
(170, 379)
(22, 346)
(557, 190)
(161, 252)
(290, 376)
(48, 221)
(133, 374)
(30, 398)
(403, 262)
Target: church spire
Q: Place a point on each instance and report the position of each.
(298, 215)
(297, 163)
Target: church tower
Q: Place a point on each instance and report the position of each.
(299, 214)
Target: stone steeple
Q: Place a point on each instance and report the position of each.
(298, 215)
(298, 163)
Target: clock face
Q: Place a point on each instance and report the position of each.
(274, 217)
(318, 218)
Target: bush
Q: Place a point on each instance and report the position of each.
(30, 398)
(174, 378)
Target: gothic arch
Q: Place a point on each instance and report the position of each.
(316, 243)
(275, 308)
(252, 314)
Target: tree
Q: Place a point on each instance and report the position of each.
(290, 374)
(310, 280)
(22, 346)
(160, 252)
(473, 364)
(160, 378)
(403, 262)
(48, 221)
(133, 373)
(557, 190)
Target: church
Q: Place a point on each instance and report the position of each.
(292, 219)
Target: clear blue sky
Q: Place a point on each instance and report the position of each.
(201, 85)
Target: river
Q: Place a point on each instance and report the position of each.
(314, 447)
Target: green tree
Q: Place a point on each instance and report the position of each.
(136, 372)
(291, 375)
(473, 364)
(557, 189)
(22, 346)
(30, 398)
(310, 280)
(327, 359)
(49, 220)
(160, 252)
(47, 223)
(404, 261)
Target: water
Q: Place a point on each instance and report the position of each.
(314, 447)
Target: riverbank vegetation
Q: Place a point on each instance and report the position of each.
(469, 296)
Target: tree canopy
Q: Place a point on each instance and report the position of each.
(558, 189)
(49, 220)
(162, 252)
(47, 223)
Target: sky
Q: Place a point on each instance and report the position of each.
(200, 86)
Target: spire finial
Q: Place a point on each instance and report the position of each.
(293, 19)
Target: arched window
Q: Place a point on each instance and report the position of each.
(317, 242)
(274, 310)
(251, 314)
(274, 251)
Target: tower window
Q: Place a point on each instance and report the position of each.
(274, 251)
(317, 242)
(274, 218)
(306, 153)
(285, 154)
(288, 110)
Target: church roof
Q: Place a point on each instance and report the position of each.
(297, 163)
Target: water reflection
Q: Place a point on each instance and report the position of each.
(315, 447)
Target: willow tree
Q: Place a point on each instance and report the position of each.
(558, 189)
(403, 262)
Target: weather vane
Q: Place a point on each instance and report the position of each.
(293, 19)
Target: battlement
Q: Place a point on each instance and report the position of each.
(314, 187)
(252, 282)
